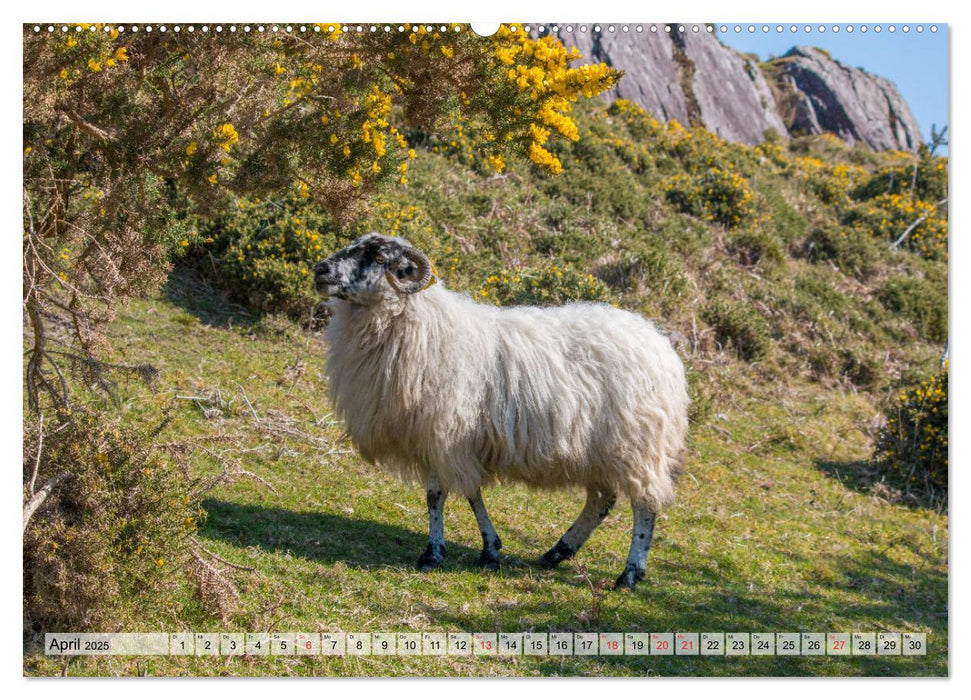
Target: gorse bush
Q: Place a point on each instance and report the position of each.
(919, 301)
(852, 250)
(739, 327)
(898, 177)
(652, 268)
(758, 247)
(889, 216)
(717, 195)
(111, 539)
(831, 183)
(264, 253)
(542, 287)
(130, 137)
(912, 448)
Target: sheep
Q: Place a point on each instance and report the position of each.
(455, 394)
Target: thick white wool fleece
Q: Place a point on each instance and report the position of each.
(583, 394)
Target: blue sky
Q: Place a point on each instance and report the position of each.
(916, 62)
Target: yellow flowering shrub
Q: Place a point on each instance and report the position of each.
(897, 177)
(264, 252)
(888, 216)
(534, 79)
(173, 128)
(912, 449)
(547, 286)
(831, 183)
(717, 195)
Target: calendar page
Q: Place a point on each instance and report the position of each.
(529, 348)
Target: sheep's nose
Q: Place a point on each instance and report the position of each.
(322, 269)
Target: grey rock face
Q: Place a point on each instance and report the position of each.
(694, 78)
(849, 102)
(653, 78)
(735, 100)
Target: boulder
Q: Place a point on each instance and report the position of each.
(826, 95)
(693, 78)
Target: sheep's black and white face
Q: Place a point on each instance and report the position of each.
(359, 273)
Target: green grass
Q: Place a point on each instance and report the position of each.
(797, 326)
(774, 529)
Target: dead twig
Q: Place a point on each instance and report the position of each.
(37, 500)
(218, 558)
(40, 449)
(246, 399)
(896, 244)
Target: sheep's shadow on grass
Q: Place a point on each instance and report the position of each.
(322, 537)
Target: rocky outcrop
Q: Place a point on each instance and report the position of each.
(653, 77)
(821, 94)
(732, 94)
(693, 78)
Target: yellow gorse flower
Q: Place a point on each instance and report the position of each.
(540, 71)
(226, 134)
(498, 162)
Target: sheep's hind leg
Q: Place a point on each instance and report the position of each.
(491, 544)
(594, 511)
(639, 546)
(434, 555)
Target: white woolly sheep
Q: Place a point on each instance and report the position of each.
(434, 386)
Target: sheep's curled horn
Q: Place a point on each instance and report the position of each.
(424, 273)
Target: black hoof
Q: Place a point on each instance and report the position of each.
(629, 578)
(432, 558)
(488, 560)
(558, 553)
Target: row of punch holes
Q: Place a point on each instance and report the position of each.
(596, 29)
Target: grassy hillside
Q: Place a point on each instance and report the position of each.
(771, 266)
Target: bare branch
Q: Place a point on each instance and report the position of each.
(896, 244)
(37, 500)
(86, 126)
(40, 450)
(218, 558)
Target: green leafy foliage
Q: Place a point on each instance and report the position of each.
(919, 301)
(739, 327)
(853, 250)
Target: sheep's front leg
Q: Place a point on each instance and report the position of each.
(594, 511)
(434, 555)
(491, 544)
(639, 546)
